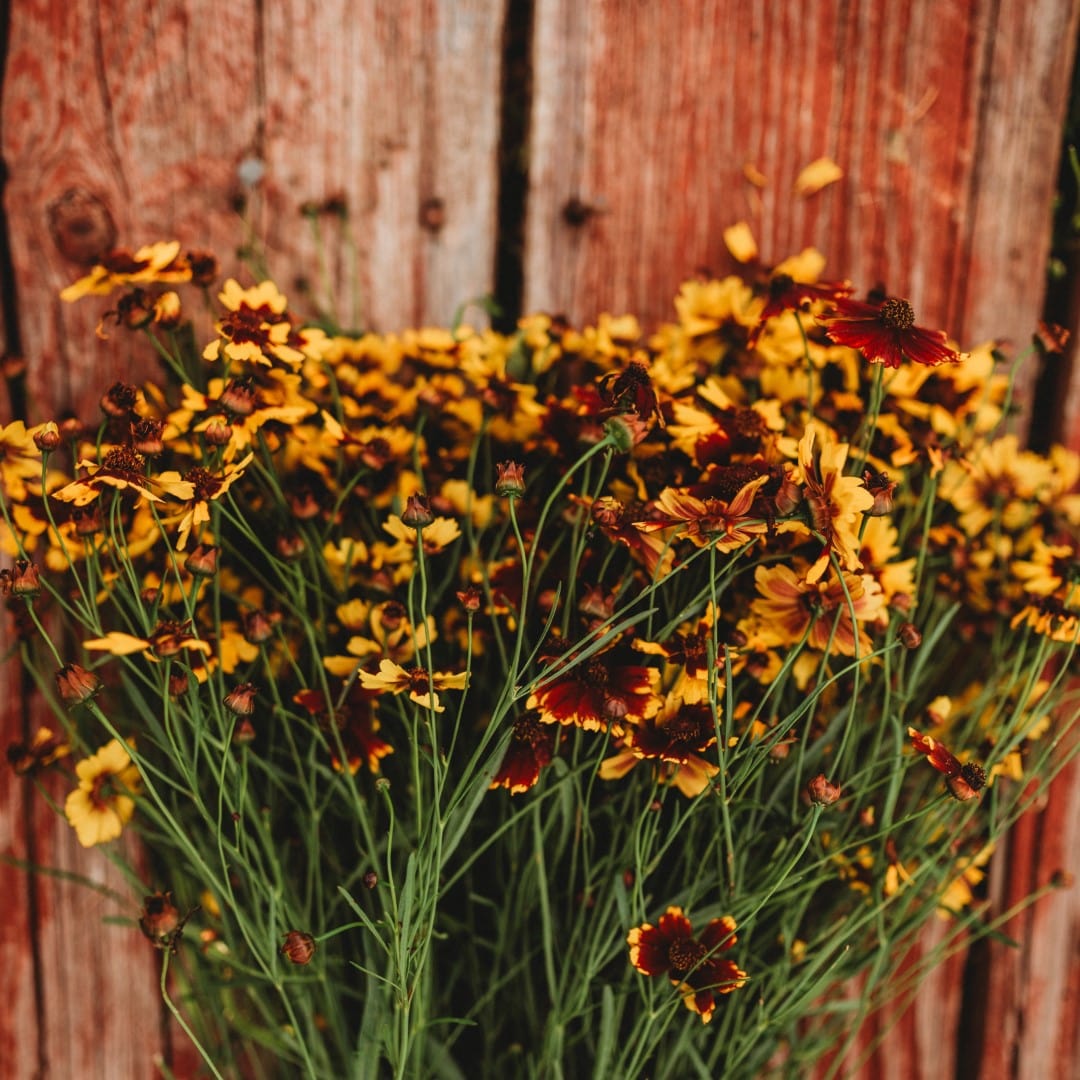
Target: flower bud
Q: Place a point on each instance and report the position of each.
(25, 580)
(510, 479)
(202, 561)
(371, 879)
(417, 513)
(299, 947)
(626, 430)
(470, 598)
(258, 627)
(160, 920)
(822, 792)
(75, 684)
(882, 488)
(909, 635)
(47, 437)
(218, 434)
(240, 701)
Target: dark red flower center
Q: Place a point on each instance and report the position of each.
(684, 954)
(206, 484)
(125, 463)
(594, 673)
(897, 314)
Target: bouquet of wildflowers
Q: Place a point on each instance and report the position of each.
(556, 703)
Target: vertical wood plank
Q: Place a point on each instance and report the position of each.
(127, 123)
(19, 1031)
(214, 124)
(944, 116)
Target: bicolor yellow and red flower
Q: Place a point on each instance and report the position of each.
(694, 964)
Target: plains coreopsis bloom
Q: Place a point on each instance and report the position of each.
(790, 606)
(885, 333)
(675, 738)
(103, 804)
(160, 262)
(786, 294)
(693, 964)
(255, 328)
(418, 681)
(729, 524)
(836, 502)
(965, 780)
(597, 694)
(205, 488)
(531, 749)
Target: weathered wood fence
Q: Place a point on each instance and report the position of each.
(571, 155)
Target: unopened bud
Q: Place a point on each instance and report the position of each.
(822, 792)
(909, 635)
(299, 947)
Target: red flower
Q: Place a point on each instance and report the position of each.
(886, 333)
(787, 294)
(531, 749)
(598, 694)
(693, 964)
(965, 781)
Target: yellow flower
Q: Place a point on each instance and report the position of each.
(420, 683)
(102, 804)
(155, 262)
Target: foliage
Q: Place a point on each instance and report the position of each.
(459, 682)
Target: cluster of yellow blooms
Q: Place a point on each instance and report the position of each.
(668, 540)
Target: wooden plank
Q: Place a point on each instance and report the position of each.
(19, 1031)
(945, 116)
(129, 123)
(141, 122)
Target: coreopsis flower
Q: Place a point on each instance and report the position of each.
(835, 502)
(1051, 616)
(438, 534)
(388, 634)
(675, 738)
(206, 487)
(965, 781)
(997, 480)
(419, 682)
(693, 964)
(784, 293)
(168, 638)
(885, 333)
(255, 328)
(160, 262)
(20, 460)
(103, 803)
(43, 750)
(686, 653)
(618, 522)
(631, 391)
(598, 694)
(728, 525)
(789, 607)
(123, 469)
(531, 749)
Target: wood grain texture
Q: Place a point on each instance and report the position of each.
(126, 123)
(944, 116)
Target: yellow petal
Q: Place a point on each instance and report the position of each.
(740, 242)
(816, 175)
(118, 644)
